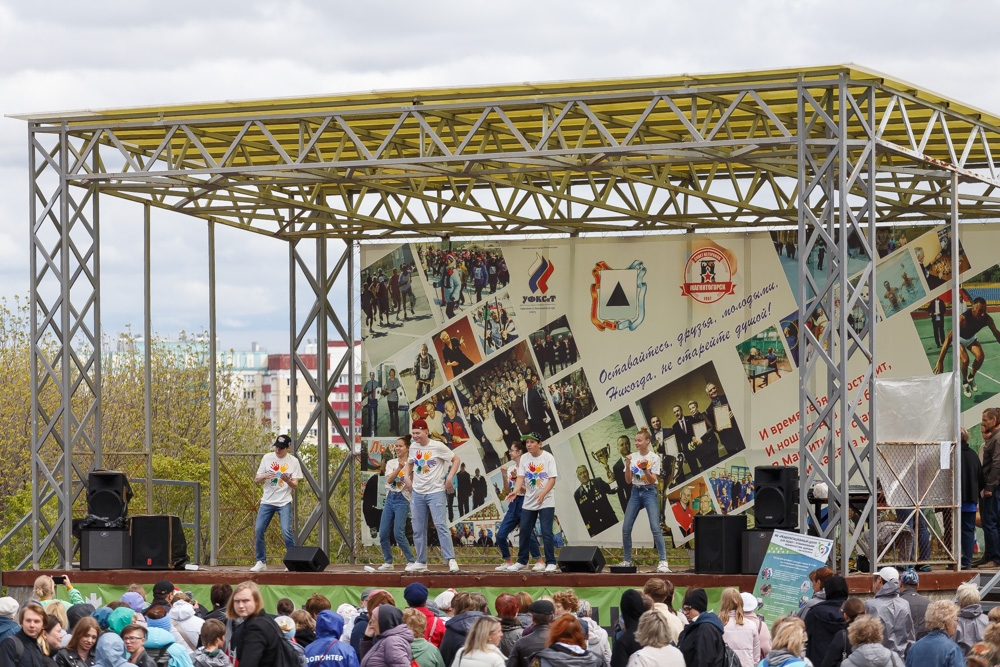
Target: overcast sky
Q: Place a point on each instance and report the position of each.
(77, 55)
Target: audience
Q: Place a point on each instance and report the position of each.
(865, 635)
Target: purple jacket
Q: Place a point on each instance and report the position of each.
(391, 650)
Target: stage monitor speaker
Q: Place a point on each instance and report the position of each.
(776, 497)
(105, 549)
(717, 543)
(581, 559)
(108, 494)
(158, 542)
(306, 559)
(755, 543)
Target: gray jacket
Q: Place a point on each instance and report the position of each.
(818, 596)
(971, 624)
(918, 609)
(872, 655)
(894, 612)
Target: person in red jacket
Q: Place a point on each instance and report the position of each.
(416, 596)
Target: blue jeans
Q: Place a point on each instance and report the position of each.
(433, 504)
(394, 514)
(511, 520)
(528, 519)
(968, 537)
(990, 515)
(264, 515)
(643, 496)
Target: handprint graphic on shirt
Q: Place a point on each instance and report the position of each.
(278, 469)
(535, 475)
(639, 467)
(423, 462)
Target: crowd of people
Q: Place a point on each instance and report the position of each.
(464, 629)
(464, 271)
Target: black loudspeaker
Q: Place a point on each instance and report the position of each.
(717, 544)
(776, 497)
(108, 494)
(755, 543)
(306, 559)
(105, 549)
(581, 559)
(158, 542)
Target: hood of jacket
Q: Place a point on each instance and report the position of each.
(463, 622)
(158, 638)
(181, 611)
(329, 624)
(110, 650)
(870, 655)
(631, 608)
(119, 618)
(971, 611)
(402, 631)
(828, 614)
(558, 655)
(708, 618)
(890, 589)
(779, 656)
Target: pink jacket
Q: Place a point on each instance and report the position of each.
(762, 632)
(743, 640)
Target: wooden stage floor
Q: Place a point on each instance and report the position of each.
(471, 577)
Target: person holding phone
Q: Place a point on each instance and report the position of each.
(44, 589)
(279, 471)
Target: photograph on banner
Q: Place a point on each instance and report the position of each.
(979, 333)
(462, 274)
(384, 402)
(732, 484)
(764, 358)
(373, 450)
(684, 503)
(510, 378)
(783, 581)
(394, 305)
(482, 426)
(444, 420)
(419, 370)
(476, 533)
(554, 347)
(900, 284)
(890, 239)
(495, 323)
(471, 489)
(786, 246)
(933, 252)
(598, 463)
(372, 500)
(572, 397)
(500, 483)
(456, 348)
(790, 331)
(703, 429)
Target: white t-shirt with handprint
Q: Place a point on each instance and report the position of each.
(276, 492)
(640, 463)
(396, 485)
(536, 471)
(430, 466)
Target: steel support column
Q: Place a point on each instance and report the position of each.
(836, 199)
(213, 405)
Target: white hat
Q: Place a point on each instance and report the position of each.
(889, 574)
(8, 607)
(749, 601)
(443, 601)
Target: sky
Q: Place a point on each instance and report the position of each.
(59, 55)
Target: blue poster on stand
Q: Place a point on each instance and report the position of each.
(783, 581)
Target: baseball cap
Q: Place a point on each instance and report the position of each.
(443, 601)
(161, 588)
(909, 577)
(282, 442)
(418, 423)
(889, 574)
(530, 436)
(365, 594)
(134, 601)
(8, 607)
(749, 601)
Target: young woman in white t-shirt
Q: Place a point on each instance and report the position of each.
(396, 507)
(641, 471)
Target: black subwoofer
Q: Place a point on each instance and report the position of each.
(158, 542)
(717, 544)
(755, 543)
(776, 497)
(105, 549)
(306, 559)
(108, 494)
(581, 559)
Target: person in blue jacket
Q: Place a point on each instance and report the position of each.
(328, 650)
(8, 610)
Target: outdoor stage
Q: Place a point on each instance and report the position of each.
(439, 578)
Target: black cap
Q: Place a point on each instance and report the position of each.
(282, 442)
(697, 599)
(162, 588)
(542, 607)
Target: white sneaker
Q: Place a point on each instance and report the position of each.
(625, 563)
(416, 567)
(551, 567)
(502, 567)
(453, 565)
(517, 567)
(663, 566)
(539, 566)
(972, 384)
(259, 566)
(386, 567)
(409, 567)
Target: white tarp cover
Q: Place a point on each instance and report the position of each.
(915, 409)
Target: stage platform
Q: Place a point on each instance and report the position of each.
(471, 577)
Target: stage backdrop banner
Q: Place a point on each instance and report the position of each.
(783, 583)
(585, 341)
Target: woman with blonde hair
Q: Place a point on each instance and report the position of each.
(482, 645)
(865, 634)
(57, 608)
(45, 590)
(737, 633)
(655, 635)
(788, 643)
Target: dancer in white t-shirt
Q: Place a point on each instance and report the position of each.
(396, 507)
(641, 471)
(428, 476)
(536, 477)
(279, 472)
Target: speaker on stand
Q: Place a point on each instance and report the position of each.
(776, 497)
(105, 543)
(108, 495)
(158, 542)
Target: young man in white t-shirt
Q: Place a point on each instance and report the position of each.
(642, 469)
(536, 477)
(279, 472)
(428, 476)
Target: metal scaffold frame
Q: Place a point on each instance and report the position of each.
(832, 151)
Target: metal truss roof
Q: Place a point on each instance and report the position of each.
(588, 156)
